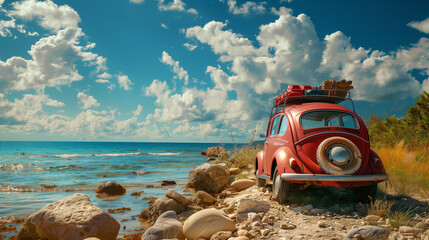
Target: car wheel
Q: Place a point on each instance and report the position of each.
(280, 188)
(366, 193)
(261, 182)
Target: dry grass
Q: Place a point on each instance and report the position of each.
(408, 170)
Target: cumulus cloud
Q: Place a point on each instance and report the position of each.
(102, 81)
(246, 8)
(175, 5)
(190, 47)
(177, 69)
(422, 26)
(223, 42)
(53, 63)
(288, 51)
(164, 26)
(50, 15)
(87, 100)
(124, 82)
(137, 1)
(26, 109)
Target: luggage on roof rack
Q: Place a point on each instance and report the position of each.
(330, 91)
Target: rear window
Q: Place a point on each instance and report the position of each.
(317, 119)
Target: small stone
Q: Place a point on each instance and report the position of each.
(241, 238)
(406, 229)
(321, 224)
(265, 232)
(308, 207)
(372, 218)
(221, 235)
(241, 232)
(111, 188)
(253, 217)
(168, 183)
(357, 237)
(287, 226)
(234, 171)
(317, 211)
(267, 220)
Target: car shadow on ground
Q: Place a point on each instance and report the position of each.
(341, 201)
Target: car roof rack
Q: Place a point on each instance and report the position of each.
(297, 95)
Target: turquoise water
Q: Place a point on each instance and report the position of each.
(81, 166)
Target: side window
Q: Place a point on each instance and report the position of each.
(349, 121)
(283, 125)
(274, 127)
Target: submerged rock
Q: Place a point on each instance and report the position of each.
(111, 188)
(209, 177)
(167, 183)
(73, 217)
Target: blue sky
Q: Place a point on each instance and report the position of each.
(194, 71)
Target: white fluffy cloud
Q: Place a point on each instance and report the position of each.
(422, 26)
(247, 7)
(24, 110)
(288, 51)
(174, 5)
(181, 73)
(50, 15)
(137, 1)
(124, 82)
(190, 47)
(52, 63)
(87, 100)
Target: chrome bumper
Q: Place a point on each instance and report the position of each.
(334, 178)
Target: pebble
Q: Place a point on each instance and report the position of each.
(321, 224)
(265, 232)
(372, 218)
(287, 226)
(406, 229)
(317, 211)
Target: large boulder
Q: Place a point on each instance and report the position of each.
(209, 177)
(213, 151)
(111, 188)
(167, 226)
(73, 217)
(160, 206)
(242, 184)
(206, 223)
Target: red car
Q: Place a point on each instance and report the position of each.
(312, 140)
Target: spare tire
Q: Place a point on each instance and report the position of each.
(339, 156)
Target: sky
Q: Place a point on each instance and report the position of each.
(197, 71)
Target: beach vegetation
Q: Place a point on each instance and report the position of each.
(403, 146)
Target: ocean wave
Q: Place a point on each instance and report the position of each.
(15, 166)
(96, 155)
(165, 154)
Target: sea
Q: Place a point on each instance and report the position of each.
(29, 172)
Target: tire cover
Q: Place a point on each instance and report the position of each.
(329, 167)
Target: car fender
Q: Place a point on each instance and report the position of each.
(282, 157)
(372, 156)
(259, 161)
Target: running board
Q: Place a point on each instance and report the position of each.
(334, 178)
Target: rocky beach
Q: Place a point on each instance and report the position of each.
(219, 203)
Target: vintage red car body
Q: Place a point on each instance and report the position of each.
(336, 152)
